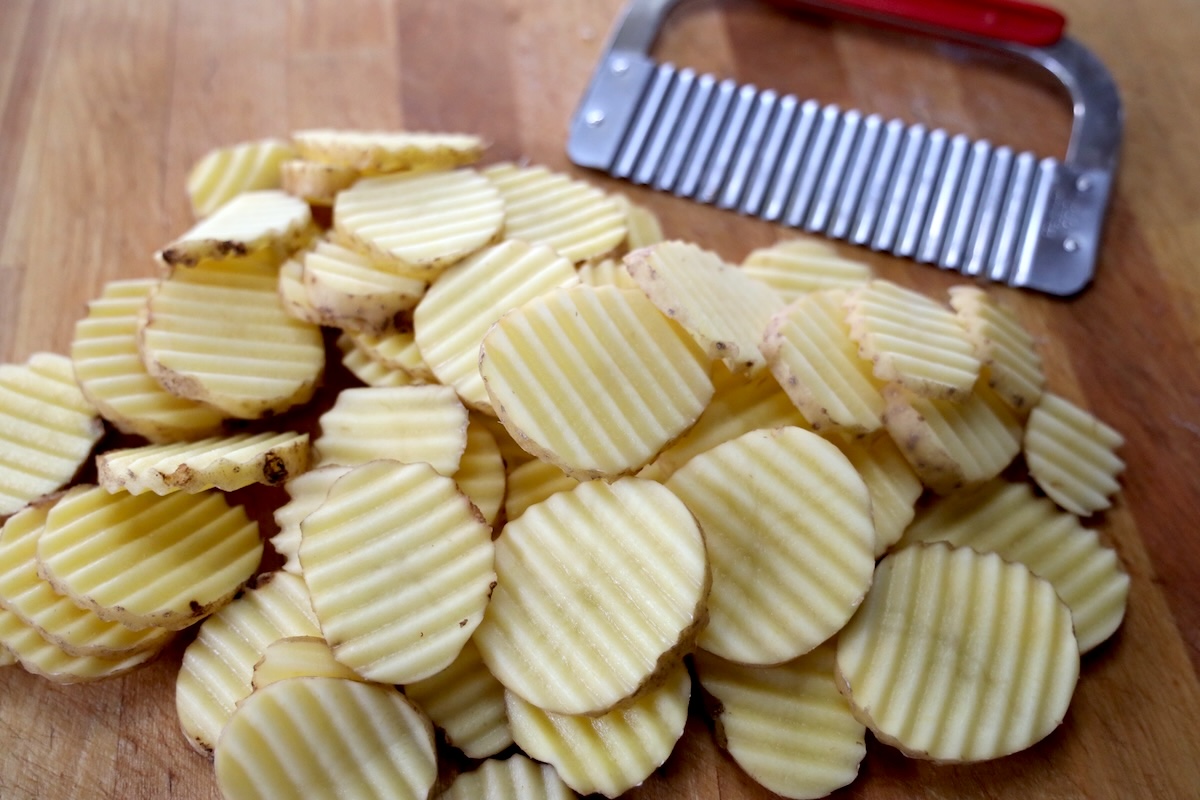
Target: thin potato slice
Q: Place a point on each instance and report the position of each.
(305, 492)
(396, 350)
(1008, 519)
(600, 591)
(514, 778)
(218, 666)
(593, 379)
(958, 656)
(368, 370)
(1072, 455)
(399, 566)
(607, 272)
(481, 475)
(614, 752)
(352, 292)
(225, 463)
(315, 183)
(787, 524)
(298, 657)
(293, 296)
(532, 482)
(466, 702)
(39, 656)
(47, 429)
(223, 173)
(761, 713)
(1011, 364)
(722, 308)
(388, 151)
(148, 561)
(512, 453)
(111, 375)
(893, 486)
(642, 225)
(796, 267)
(326, 739)
(269, 220)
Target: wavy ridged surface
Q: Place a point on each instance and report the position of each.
(266, 220)
(642, 226)
(145, 560)
(893, 486)
(421, 222)
(218, 666)
(576, 219)
(787, 726)
(355, 292)
(399, 566)
(607, 272)
(952, 444)
(467, 702)
(225, 172)
(1071, 455)
(47, 429)
(598, 590)
(368, 370)
(797, 267)
(912, 340)
(514, 778)
(293, 296)
(481, 475)
(462, 304)
(305, 492)
(225, 463)
(1011, 364)
(111, 375)
(532, 482)
(218, 334)
(403, 423)
(594, 379)
(787, 524)
(723, 309)
(38, 655)
(298, 657)
(958, 656)
(397, 350)
(614, 752)
(388, 151)
(316, 183)
(1008, 519)
(810, 352)
(326, 738)
(77, 631)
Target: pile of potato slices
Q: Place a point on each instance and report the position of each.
(583, 472)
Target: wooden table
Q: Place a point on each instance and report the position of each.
(105, 105)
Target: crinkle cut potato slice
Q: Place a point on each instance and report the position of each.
(388, 151)
(958, 656)
(1072, 455)
(1011, 364)
(354, 292)
(39, 656)
(269, 220)
(225, 172)
(514, 778)
(594, 379)
(532, 482)
(481, 475)
(305, 492)
(366, 369)
(600, 592)
(796, 267)
(315, 183)
(298, 657)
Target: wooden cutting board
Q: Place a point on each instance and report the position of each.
(105, 105)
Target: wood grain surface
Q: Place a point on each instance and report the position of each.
(105, 105)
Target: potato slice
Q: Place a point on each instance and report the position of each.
(797, 267)
(481, 475)
(399, 565)
(1072, 455)
(388, 151)
(532, 482)
(225, 463)
(593, 379)
(369, 371)
(225, 172)
(462, 304)
(787, 524)
(293, 295)
(298, 657)
(315, 183)
(514, 778)
(614, 752)
(269, 220)
(47, 429)
(958, 656)
(576, 219)
(396, 350)
(218, 334)
(466, 702)
(148, 561)
(607, 272)
(326, 739)
(893, 486)
(763, 713)
(41, 657)
(111, 375)
(305, 492)
(1011, 364)
(218, 666)
(642, 225)
(600, 591)
(1006, 518)
(722, 308)
(352, 292)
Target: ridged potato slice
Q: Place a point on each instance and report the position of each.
(399, 565)
(305, 492)
(514, 778)
(600, 591)
(388, 151)
(326, 739)
(269, 220)
(532, 482)
(958, 656)
(1072, 455)
(466, 702)
(796, 267)
(396, 350)
(369, 371)
(607, 272)
(642, 225)
(481, 475)
(293, 296)
(353, 292)
(39, 656)
(298, 657)
(225, 172)
(1011, 364)
(315, 183)
(893, 486)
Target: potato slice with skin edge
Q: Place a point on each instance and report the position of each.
(293, 296)
(41, 657)
(326, 738)
(515, 778)
(467, 703)
(958, 656)
(796, 267)
(306, 492)
(269, 220)
(352, 292)
(388, 151)
(1071, 455)
(298, 657)
(368, 370)
(409, 530)
(225, 172)
(1011, 364)
(612, 753)
(395, 350)
(315, 183)
(600, 591)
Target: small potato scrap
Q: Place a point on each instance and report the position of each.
(1011, 364)
(326, 739)
(298, 657)
(315, 183)
(269, 220)
(722, 308)
(352, 292)
(593, 379)
(305, 492)
(614, 752)
(39, 656)
(399, 565)
(787, 726)
(515, 778)
(225, 463)
(226, 172)
(1072, 455)
(796, 267)
(388, 151)
(600, 591)
(148, 561)
(958, 656)
(47, 429)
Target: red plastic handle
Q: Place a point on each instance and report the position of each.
(1001, 20)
